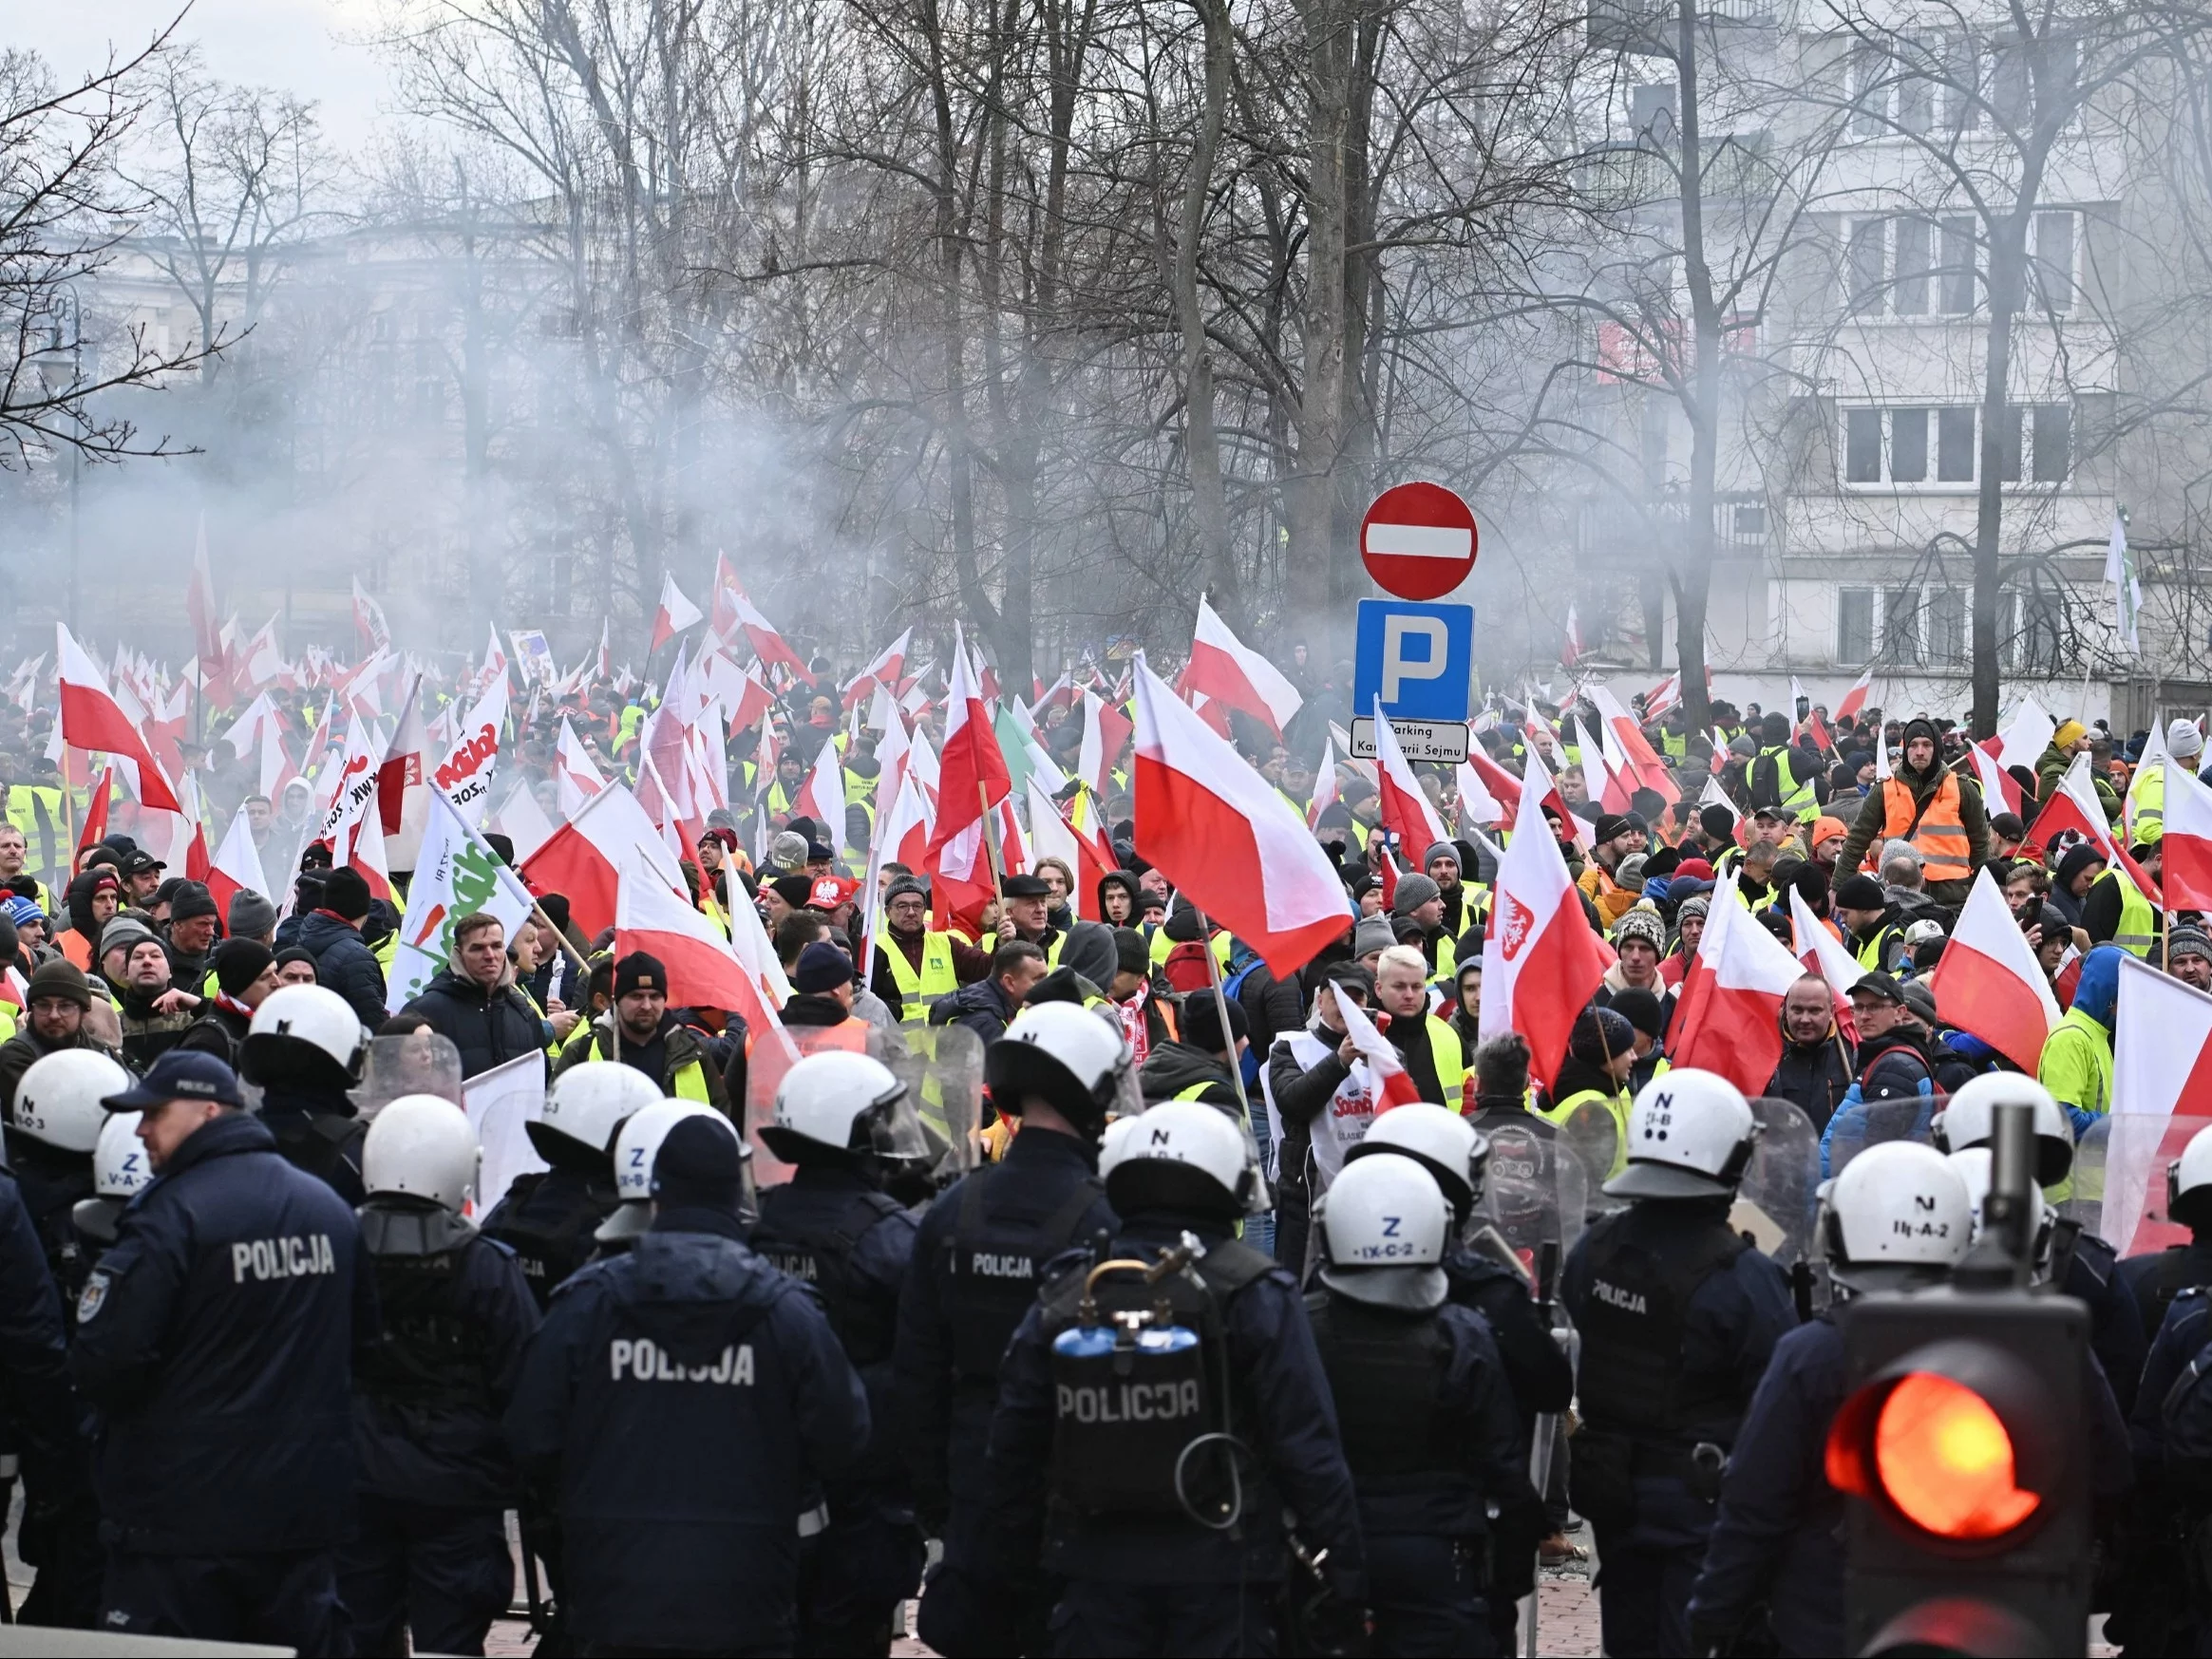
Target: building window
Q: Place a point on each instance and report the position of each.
(1955, 445)
(1908, 447)
(1945, 613)
(1915, 265)
(2053, 456)
(1869, 92)
(1900, 626)
(1866, 266)
(2053, 262)
(1854, 624)
(1651, 114)
(1861, 448)
(1959, 265)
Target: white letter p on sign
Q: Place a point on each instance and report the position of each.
(1397, 669)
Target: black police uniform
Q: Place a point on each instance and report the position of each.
(2116, 1333)
(2154, 1610)
(317, 1131)
(430, 1557)
(2156, 1278)
(59, 1532)
(830, 1229)
(53, 1183)
(1433, 1440)
(1143, 1575)
(680, 1400)
(978, 1262)
(216, 1338)
(548, 1218)
(1679, 1316)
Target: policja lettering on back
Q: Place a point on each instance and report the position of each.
(970, 1284)
(282, 1258)
(647, 1363)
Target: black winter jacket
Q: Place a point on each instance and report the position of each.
(344, 965)
(489, 1027)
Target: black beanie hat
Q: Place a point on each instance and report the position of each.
(239, 962)
(639, 970)
(192, 898)
(699, 1165)
(554, 905)
(346, 893)
(1202, 1023)
(1861, 893)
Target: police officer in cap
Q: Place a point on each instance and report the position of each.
(1163, 1407)
(217, 1339)
(1542, 1382)
(548, 1217)
(1429, 1427)
(678, 1403)
(978, 1262)
(1679, 1314)
(304, 1050)
(429, 1560)
(54, 1127)
(2081, 1264)
(842, 1121)
(1898, 1218)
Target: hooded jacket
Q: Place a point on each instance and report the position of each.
(344, 963)
(2077, 1060)
(1176, 1068)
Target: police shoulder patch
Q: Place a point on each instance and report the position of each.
(93, 1296)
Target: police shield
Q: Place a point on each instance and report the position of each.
(943, 1068)
(1778, 1201)
(2118, 1189)
(1870, 1123)
(422, 1063)
(1535, 1193)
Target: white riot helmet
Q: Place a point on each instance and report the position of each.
(1973, 1166)
(1065, 1056)
(2188, 1182)
(1117, 1143)
(1690, 1135)
(1897, 1216)
(58, 1103)
(839, 1107)
(1185, 1155)
(421, 1146)
(1385, 1225)
(306, 1036)
(575, 1127)
(1441, 1142)
(1969, 1118)
(636, 1148)
(118, 1170)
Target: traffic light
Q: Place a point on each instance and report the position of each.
(1962, 1438)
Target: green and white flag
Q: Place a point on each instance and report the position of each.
(455, 873)
(2126, 589)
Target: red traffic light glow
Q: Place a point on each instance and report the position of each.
(1937, 1453)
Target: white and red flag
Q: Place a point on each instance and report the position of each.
(821, 796)
(703, 970)
(576, 778)
(369, 618)
(2027, 735)
(768, 646)
(673, 614)
(1855, 699)
(884, 671)
(2073, 805)
(92, 719)
(1403, 804)
(1542, 961)
(1571, 649)
(1105, 732)
(971, 782)
(1715, 796)
(1478, 803)
(1998, 784)
(1236, 676)
(1624, 738)
(1324, 784)
(1823, 955)
(1664, 698)
(2185, 871)
(585, 856)
(236, 867)
(1729, 1019)
(2162, 1095)
(1990, 985)
(1223, 836)
(1394, 1083)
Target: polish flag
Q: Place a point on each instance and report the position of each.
(884, 670)
(1855, 699)
(2023, 741)
(522, 821)
(403, 795)
(1052, 836)
(1825, 954)
(2162, 1095)
(1997, 783)
(263, 660)
(703, 970)
(1234, 675)
(1729, 1016)
(973, 780)
(1223, 836)
(1663, 699)
(2186, 873)
(1477, 804)
(585, 856)
(1324, 784)
(1571, 646)
(1621, 781)
(1504, 788)
(1105, 732)
(899, 836)
(91, 719)
(1720, 752)
(674, 613)
(1625, 736)
(236, 866)
(606, 657)
(95, 830)
(1542, 962)
(1990, 985)
(1393, 1084)
(1402, 806)
(1598, 783)
(821, 796)
(245, 731)
(367, 854)
(276, 767)
(575, 779)
(1715, 796)
(768, 646)
(369, 618)
(2073, 805)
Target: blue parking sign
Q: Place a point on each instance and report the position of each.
(1419, 659)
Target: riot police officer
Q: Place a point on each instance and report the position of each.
(2155, 1278)
(216, 1337)
(304, 1050)
(1897, 1218)
(979, 1257)
(842, 1121)
(430, 1557)
(636, 1144)
(548, 1218)
(1429, 1427)
(1160, 1410)
(120, 1172)
(1679, 1314)
(2081, 1264)
(681, 1400)
(56, 1124)
(1536, 1372)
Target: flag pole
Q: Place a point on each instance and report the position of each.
(1221, 1013)
(991, 856)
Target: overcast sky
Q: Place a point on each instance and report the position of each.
(307, 47)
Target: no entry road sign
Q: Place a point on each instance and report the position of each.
(1418, 540)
